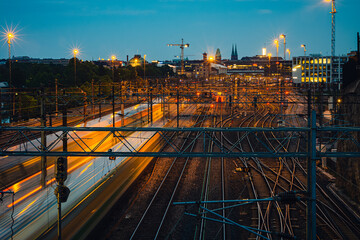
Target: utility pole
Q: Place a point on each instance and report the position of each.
(311, 181)
(113, 91)
(151, 107)
(64, 122)
(92, 98)
(113, 105)
(99, 93)
(177, 106)
(148, 100)
(358, 48)
(62, 192)
(56, 97)
(43, 138)
(122, 105)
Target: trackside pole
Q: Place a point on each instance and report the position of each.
(311, 186)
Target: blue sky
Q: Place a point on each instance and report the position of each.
(50, 29)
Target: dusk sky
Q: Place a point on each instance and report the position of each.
(49, 29)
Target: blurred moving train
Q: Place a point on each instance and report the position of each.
(216, 96)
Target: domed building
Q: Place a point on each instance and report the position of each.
(136, 61)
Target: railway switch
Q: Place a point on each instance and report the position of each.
(287, 197)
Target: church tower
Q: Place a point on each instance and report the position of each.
(218, 56)
(234, 54)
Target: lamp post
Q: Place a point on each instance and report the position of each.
(137, 82)
(269, 55)
(276, 42)
(284, 37)
(288, 51)
(10, 35)
(75, 52)
(304, 46)
(113, 90)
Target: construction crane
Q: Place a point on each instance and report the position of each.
(182, 46)
(333, 12)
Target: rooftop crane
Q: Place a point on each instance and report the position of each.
(182, 46)
(333, 12)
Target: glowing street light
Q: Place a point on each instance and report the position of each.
(276, 42)
(10, 35)
(75, 52)
(288, 51)
(284, 37)
(304, 46)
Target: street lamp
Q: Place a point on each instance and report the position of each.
(9, 36)
(304, 46)
(276, 42)
(284, 37)
(75, 52)
(288, 51)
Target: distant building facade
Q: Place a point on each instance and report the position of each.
(136, 61)
(26, 59)
(317, 69)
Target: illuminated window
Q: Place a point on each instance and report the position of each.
(328, 60)
(316, 61)
(320, 61)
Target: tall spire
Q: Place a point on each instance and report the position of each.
(236, 53)
(232, 52)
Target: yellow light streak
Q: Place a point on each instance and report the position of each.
(27, 207)
(85, 169)
(25, 196)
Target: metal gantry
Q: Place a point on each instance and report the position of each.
(124, 135)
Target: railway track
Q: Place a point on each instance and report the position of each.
(266, 178)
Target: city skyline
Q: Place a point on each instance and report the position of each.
(50, 29)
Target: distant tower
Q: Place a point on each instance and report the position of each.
(218, 56)
(205, 57)
(234, 54)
